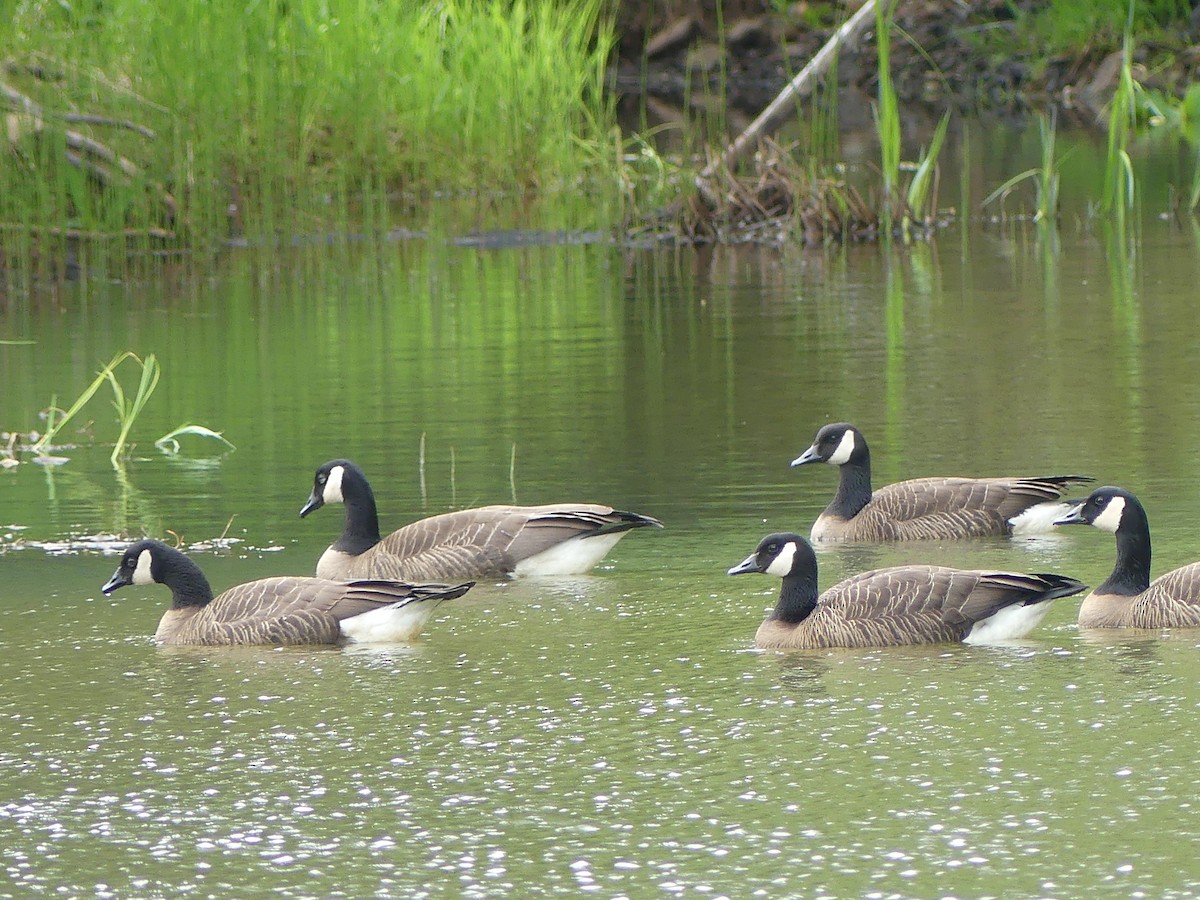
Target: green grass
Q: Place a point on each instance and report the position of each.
(1071, 26)
(285, 116)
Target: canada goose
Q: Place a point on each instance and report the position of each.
(901, 605)
(487, 542)
(277, 610)
(1128, 599)
(925, 508)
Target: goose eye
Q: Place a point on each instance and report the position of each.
(129, 563)
(321, 478)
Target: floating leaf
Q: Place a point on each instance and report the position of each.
(169, 442)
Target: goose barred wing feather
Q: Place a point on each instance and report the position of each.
(301, 627)
(920, 604)
(294, 610)
(933, 508)
(546, 526)
(486, 542)
(901, 605)
(1171, 601)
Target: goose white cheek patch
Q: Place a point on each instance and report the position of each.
(141, 575)
(333, 485)
(1110, 519)
(781, 565)
(841, 455)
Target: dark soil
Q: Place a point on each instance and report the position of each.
(964, 55)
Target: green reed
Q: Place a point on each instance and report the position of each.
(128, 406)
(913, 205)
(920, 201)
(887, 114)
(1119, 182)
(1045, 177)
(286, 116)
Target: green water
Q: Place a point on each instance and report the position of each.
(614, 734)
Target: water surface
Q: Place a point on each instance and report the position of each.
(613, 734)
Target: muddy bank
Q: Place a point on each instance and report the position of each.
(684, 57)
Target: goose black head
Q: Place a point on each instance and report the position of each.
(836, 444)
(780, 554)
(329, 484)
(140, 564)
(1104, 508)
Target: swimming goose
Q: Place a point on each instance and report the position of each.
(277, 610)
(486, 542)
(925, 508)
(911, 604)
(1128, 599)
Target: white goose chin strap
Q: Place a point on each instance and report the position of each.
(332, 492)
(1110, 519)
(845, 448)
(781, 565)
(141, 575)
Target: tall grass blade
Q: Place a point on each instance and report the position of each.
(129, 410)
(924, 179)
(512, 472)
(1194, 194)
(887, 114)
(421, 472)
(1048, 177)
(1118, 170)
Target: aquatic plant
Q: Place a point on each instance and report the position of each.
(1045, 177)
(887, 113)
(920, 201)
(911, 206)
(128, 407)
(169, 442)
(1166, 115)
(1119, 182)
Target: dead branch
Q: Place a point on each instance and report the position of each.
(86, 119)
(783, 103)
(92, 156)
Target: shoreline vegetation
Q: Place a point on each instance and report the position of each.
(135, 129)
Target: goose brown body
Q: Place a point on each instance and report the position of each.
(484, 542)
(934, 508)
(939, 508)
(1128, 598)
(924, 605)
(1170, 601)
(281, 610)
(913, 604)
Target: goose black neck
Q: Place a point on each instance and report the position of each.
(797, 598)
(188, 585)
(854, 487)
(1131, 575)
(361, 531)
